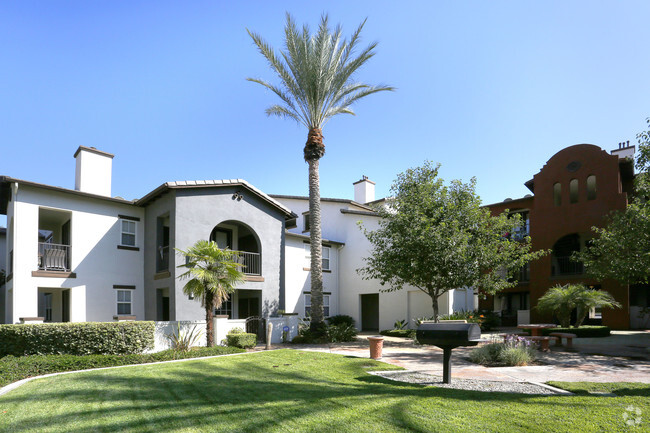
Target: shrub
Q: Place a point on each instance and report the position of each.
(486, 319)
(403, 333)
(183, 341)
(400, 324)
(325, 334)
(582, 332)
(106, 338)
(341, 333)
(514, 352)
(16, 368)
(240, 339)
(340, 319)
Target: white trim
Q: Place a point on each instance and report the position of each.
(134, 233)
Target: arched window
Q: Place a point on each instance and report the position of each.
(591, 187)
(573, 191)
(557, 194)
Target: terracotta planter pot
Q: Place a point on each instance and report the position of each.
(376, 346)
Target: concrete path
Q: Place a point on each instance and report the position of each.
(590, 362)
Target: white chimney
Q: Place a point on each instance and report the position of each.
(364, 190)
(624, 150)
(93, 171)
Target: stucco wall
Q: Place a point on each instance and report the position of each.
(95, 259)
(198, 211)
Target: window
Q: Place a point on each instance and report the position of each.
(326, 305)
(225, 309)
(591, 187)
(128, 233)
(305, 222)
(124, 302)
(557, 194)
(325, 257)
(573, 191)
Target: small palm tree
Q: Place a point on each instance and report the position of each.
(562, 300)
(316, 83)
(213, 275)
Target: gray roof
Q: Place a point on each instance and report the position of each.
(336, 200)
(211, 184)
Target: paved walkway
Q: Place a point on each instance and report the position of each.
(592, 360)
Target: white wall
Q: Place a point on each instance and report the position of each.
(95, 259)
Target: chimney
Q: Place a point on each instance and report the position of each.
(364, 190)
(93, 171)
(624, 150)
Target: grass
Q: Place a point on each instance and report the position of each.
(287, 390)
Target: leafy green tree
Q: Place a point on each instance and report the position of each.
(562, 300)
(437, 238)
(316, 74)
(212, 275)
(621, 250)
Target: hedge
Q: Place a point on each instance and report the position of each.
(89, 338)
(13, 368)
(403, 333)
(581, 332)
(243, 340)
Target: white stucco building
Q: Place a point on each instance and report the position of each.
(82, 255)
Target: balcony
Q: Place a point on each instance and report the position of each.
(252, 263)
(566, 266)
(53, 257)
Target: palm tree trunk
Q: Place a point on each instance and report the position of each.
(313, 151)
(209, 316)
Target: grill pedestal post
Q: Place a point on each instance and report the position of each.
(446, 365)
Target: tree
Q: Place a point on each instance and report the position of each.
(621, 250)
(213, 275)
(562, 300)
(437, 238)
(316, 83)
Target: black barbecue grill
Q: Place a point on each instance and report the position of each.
(448, 336)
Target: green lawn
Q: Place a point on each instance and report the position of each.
(289, 390)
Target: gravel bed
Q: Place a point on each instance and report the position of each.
(465, 384)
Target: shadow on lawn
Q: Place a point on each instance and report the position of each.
(251, 393)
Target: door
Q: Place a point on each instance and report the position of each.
(223, 238)
(248, 307)
(370, 312)
(65, 305)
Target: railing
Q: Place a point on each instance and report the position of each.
(162, 259)
(53, 257)
(566, 266)
(252, 263)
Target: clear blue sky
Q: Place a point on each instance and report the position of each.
(488, 89)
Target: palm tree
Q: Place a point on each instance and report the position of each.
(562, 300)
(316, 83)
(213, 274)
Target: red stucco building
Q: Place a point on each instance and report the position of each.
(574, 191)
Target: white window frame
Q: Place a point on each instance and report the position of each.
(326, 305)
(123, 232)
(325, 261)
(128, 302)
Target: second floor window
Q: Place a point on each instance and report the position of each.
(127, 237)
(325, 257)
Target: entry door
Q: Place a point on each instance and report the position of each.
(370, 312)
(223, 238)
(65, 305)
(248, 307)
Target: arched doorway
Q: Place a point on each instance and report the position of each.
(561, 257)
(239, 237)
